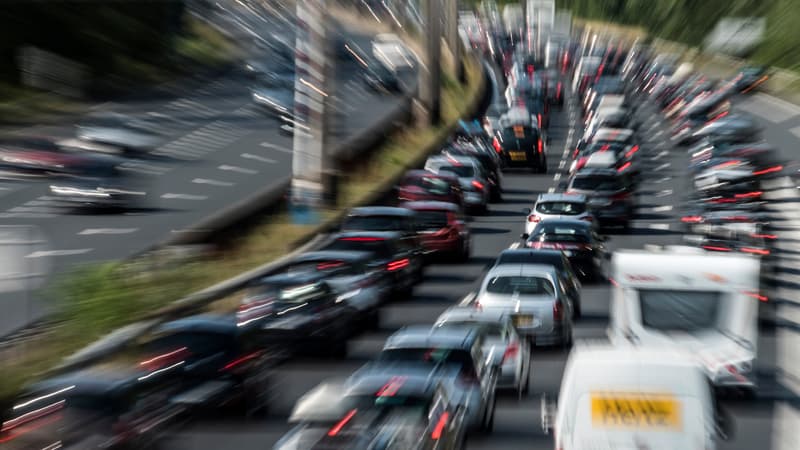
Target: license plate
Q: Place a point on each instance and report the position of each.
(518, 156)
(524, 320)
(653, 411)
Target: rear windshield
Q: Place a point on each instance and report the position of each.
(435, 186)
(198, 343)
(557, 236)
(430, 355)
(597, 183)
(459, 171)
(561, 208)
(374, 223)
(325, 266)
(432, 220)
(523, 285)
(413, 403)
(679, 310)
(527, 257)
(491, 329)
(381, 248)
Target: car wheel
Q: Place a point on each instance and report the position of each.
(577, 310)
(463, 255)
(488, 423)
(338, 347)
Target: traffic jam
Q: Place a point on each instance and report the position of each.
(683, 319)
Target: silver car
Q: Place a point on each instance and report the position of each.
(558, 206)
(534, 297)
(473, 180)
(510, 352)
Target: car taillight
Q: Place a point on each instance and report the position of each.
(539, 120)
(558, 310)
(511, 351)
(757, 296)
(534, 218)
(339, 425)
(632, 151)
(478, 185)
(575, 153)
(624, 167)
(496, 145)
(691, 219)
(397, 265)
(540, 146)
(754, 194)
(621, 196)
(581, 162)
(587, 219)
(716, 248)
(530, 70)
(756, 251)
(768, 170)
(437, 430)
(558, 90)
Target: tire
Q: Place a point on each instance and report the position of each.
(487, 427)
(577, 311)
(464, 254)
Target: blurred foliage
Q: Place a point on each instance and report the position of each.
(690, 21)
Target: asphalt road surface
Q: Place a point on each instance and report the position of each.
(517, 421)
(220, 149)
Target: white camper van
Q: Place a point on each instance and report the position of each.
(631, 397)
(684, 297)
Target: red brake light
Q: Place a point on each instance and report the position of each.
(769, 170)
(575, 153)
(756, 251)
(539, 120)
(338, 427)
(558, 90)
(727, 164)
(764, 236)
(632, 151)
(238, 362)
(511, 351)
(477, 184)
(624, 166)
(718, 116)
(397, 265)
(437, 430)
(530, 69)
(581, 162)
(390, 388)
(329, 265)
(613, 282)
(749, 194)
(534, 218)
(757, 296)
(558, 311)
(691, 219)
(716, 248)
(496, 145)
(540, 146)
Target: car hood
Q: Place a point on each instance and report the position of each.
(118, 136)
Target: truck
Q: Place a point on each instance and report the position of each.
(686, 297)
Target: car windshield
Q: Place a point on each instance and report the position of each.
(597, 183)
(412, 404)
(529, 257)
(460, 171)
(431, 355)
(380, 247)
(373, 223)
(679, 310)
(562, 208)
(579, 237)
(435, 186)
(520, 284)
(491, 329)
(432, 220)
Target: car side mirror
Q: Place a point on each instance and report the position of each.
(723, 424)
(524, 236)
(548, 414)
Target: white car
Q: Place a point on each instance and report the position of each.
(557, 206)
(510, 352)
(474, 182)
(633, 397)
(535, 297)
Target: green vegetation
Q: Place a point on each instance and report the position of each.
(689, 21)
(97, 299)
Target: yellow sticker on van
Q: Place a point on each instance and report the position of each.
(659, 412)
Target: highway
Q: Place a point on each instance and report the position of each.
(517, 421)
(219, 149)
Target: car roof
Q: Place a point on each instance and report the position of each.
(342, 255)
(204, 323)
(561, 197)
(586, 172)
(464, 313)
(431, 206)
(424, 336)
(380, 211)
(428, 173)
(606, 158)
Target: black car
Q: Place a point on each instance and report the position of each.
(521, 144)
(610, 194)
(299, 313)
(489, 160)
(222, 364)
(114, 405)
(395, 256)
(97, 182)
(555, 258)
(384, 218)
(749, 79)
(131, 135)
(577, 239)
(380, 78)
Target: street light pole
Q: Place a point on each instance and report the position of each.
(430, 73)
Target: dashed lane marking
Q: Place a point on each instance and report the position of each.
(276, 147)
(46, 253)
(662, 167)
(664, 193)
(237, 169)
(258, 158)
(171, 196)
(659, 226)
(212, 182)
(92, 231)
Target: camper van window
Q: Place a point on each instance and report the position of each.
(679, 310)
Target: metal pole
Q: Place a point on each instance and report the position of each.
(430, 75)
(454, 40)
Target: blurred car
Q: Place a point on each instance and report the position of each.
(587, 72)
(610, 136)
(610, 195)
(443, 228)
(380, 78)
(555, 83)
(577, 239)
(117, 405)
(512, 353)
(534, 298)
(697, 114)
(424, 185)
(489, 159)
(384, 218)
(221, 364)
(395, 256)
(730, 127)
(491, 118)
(474, 183)
(555, 258)
(558, 206)
(30, 156)
(520, 143)
(299, 313)
(97, 182)
(749, 79)
(378, 411)
(277, 99)
(469, 373)
(130, 135)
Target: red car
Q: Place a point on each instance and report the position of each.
(421, 185)
(442, 228)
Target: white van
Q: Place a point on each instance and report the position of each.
(703, 302)
(631, 397)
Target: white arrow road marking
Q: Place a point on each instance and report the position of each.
(212, 182)
(184, 197)
(45, 253)
(237, 169)
(258, 158)
(90, 231)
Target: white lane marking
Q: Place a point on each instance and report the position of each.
(91, 231)
(556, 177)
(662, 167)
(184, 197)
(258, 158)
(562, 163)
(551, 190)
(795, 131)
(661, 208)
(660, 155)
(662, 180)
(276, 147)
(664, 193)
(27, 215)
(658, 133)
(658, 226)
(45, 253)
(514, 245)
(212, 182)
(237, 169)
(787, 108)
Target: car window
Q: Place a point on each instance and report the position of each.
(432, 220)
(374, 223)
(520, 284)
(597, 183)
(435, 186)
(462, 171)
(380, 247)
(197, 343)
(685, 311)
(490, 329)
(561, 208)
